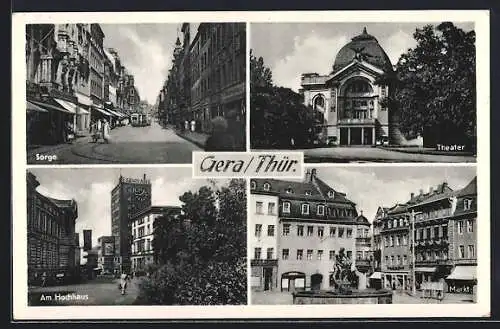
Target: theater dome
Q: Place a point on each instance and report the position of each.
(365, 47)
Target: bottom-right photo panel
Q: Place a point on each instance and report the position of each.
(365, 235)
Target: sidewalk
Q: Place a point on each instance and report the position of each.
(34, 149)
(196, 138)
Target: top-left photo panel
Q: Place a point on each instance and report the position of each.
(134, 93)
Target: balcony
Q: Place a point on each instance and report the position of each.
(433, 262)
(466, 261)
(363, 263)
(264, 262)
(396, 267)
(353, 121)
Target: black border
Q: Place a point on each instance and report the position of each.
(228, 5)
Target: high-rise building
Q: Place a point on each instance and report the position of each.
(129, 197)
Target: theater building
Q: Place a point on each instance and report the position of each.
(314, 221)
(52, 242)
(142, 225)
(348, 100)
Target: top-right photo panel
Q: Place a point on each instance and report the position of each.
(365, 92)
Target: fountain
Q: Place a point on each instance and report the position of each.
(349, 287)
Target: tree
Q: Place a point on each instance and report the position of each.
(202, 252)
(435, 85)
(278, 114)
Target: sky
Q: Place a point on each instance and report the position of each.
(146, 51)
(91, 188)
(371, 187)
(311, 47)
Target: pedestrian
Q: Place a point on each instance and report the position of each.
(123, 282)
(44, 279)
(219, 140)
(105, 132)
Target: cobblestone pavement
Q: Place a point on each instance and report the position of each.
(285, 298)
(89, 293)
(136, 145)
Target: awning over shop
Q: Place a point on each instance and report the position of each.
(85, 100)
(70, 107)
(32, 107)
(113, 113)
(80, 110)
(466, 273)
(376, 275)
(103, 111)
(48, 106)
(425, 269)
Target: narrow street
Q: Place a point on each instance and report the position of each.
(136, 145)
(89, 293)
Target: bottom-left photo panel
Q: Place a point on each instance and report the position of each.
(135, 236)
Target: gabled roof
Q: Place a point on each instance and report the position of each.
(470, 189)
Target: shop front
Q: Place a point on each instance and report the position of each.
(462, 279)
(264, 274)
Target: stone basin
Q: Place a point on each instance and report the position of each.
(367, 296)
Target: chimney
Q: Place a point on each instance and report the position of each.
(307, 177)
(313, 174)
(144, 177)
(421, 191)
(361, 212)
(412, 195)
(445, 186)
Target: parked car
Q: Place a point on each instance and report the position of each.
(382, 141)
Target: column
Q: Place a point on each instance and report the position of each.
(373, 136)
(362, 135)
(348, 136)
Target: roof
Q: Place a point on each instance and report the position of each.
(362, 220)
(470, 189)
(367, 48)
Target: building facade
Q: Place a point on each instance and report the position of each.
(431, 237)
(129, 197)
(52, 244)
(314, 223)
(106, 254)
(142, 230)
(349, 101)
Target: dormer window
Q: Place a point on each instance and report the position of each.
(395, 223)
(286, 207)
(289, 191)
(308, 192)
(467, 204)
(305, 209)
(253, 185)
(331, 194)
(321, 210)
(267, 186)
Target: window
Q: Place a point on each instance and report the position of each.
(470, 251)
(349, 254)
(308, 192)
(398, 240)
(470, 227)
(349, 233)
(285, 253)
(389, 224)
(289, 191)
(398, 261)
(467, 204)
(286, 207)
(320, 254)
(332, 255)
(460, 227)
(286, 229)
(332, 231)
(300, 230)
(271, 208)
(305, 209)
(320, 231)
(267, 186)
(405, 240)
(341, 232)
(258, 230)
(392, 260)
(299, 254)
(309, 254)
(257, 253)
(405, 260)
(395, 223)
(270, 253)
(391, 241)
(461, 252)
(253, 185)
(258, 207)
(401, 223)
(270, 230)
(321, 210)
(444, 228)
(310, 230)
(331, 194)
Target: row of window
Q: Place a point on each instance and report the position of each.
(142, 231)
(464, 252)
(44, 223)
(96, 88)
(305, 209)
(334, 232)
(267, 187)
(141, 246)
(43, 254)
(396, 240)
(299, 255)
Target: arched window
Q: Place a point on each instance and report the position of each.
(359, 86)
(253, 185)
(319, 102)
(331, 194)
(267, 186)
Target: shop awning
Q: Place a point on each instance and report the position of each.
(70, 107)
(48, 106)
(425, 269)
(376, 275)
(81, 110)
(85, 100)
(113, 113)
(466, 273)
(32, 107)
(103, 111)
